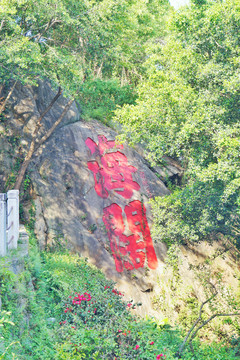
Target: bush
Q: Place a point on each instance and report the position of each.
(99, 98)
(63, 308)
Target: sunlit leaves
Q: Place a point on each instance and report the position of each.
(188, 108)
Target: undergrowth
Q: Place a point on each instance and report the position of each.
(99, 98)
(60, 307)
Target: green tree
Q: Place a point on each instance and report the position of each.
(188, 108)
(72, 42)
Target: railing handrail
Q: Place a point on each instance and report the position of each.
(9, 221)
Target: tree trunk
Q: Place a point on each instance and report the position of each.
(2, 24)
(31, 150)
(179, 353)
(99, 71)
(57, 122)
(2, 108)
(23, 169)
(38, 124)
(35, 145)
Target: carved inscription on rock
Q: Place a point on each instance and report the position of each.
(129, 251)
(112, 173)
(111, 170)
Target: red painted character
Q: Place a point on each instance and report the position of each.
(111, 170)
(129, 251)
(137, 223)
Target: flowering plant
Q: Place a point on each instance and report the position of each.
(86, 319)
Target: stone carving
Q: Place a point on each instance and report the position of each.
(111, 171)
(129, 251)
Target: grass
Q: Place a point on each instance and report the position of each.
(61, 307)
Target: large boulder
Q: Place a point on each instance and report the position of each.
(94, 193)
(91, 194)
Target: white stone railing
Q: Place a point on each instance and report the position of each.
(9, 221)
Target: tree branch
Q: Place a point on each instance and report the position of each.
(233, 246)
(208, 320)
(57, 122)
(178, 354)
(2, 24)
(47, 27)
(32, 147)
(220, 46)
(2, 108)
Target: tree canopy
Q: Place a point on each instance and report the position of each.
(188, 108)
(70, 40)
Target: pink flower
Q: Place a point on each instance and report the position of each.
(129, 305)
(136, 347)
(151, 343)
(159, 356)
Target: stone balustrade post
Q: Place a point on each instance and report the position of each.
(3, 224)
(13, 218)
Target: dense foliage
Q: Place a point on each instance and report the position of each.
(60, 307)
(188, 108)
(72, 43)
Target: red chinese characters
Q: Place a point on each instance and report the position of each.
(129, 251)
(111, 170)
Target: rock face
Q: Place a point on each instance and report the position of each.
(91, 193)
(26, 105)
(94, 193)
(80, 175)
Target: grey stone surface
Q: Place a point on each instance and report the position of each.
(67, 203)
(23, 110)
(68, 210)
(29, 102)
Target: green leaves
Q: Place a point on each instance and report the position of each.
(71, 42)
(188, 108)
